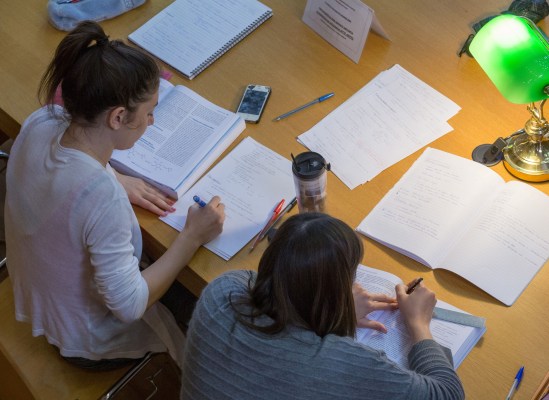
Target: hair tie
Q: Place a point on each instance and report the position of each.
(103, 41)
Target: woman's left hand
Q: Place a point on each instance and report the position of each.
(366, 302)
(146, 196)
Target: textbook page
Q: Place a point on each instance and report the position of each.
(188, 134)
(390, 118)
(396, 343)
(453, 213)
(250, 180)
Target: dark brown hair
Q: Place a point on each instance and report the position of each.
(305, 278)
(96, 74)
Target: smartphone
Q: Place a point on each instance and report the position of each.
(253, 102)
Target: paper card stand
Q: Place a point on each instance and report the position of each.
(344, 24)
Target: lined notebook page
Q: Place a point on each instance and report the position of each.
(191, 34)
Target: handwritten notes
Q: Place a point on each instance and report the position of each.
(388, 119)
(250, 180)
(453, 213)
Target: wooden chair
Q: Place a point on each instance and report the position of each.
(31, 369)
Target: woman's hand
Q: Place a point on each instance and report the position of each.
(365, 303)
(416, 309)
(145, 195)
(203, 224)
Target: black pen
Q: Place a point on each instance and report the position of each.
(411, 288)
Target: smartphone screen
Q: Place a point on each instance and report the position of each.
(253, 102)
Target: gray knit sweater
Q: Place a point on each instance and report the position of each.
(223, 359)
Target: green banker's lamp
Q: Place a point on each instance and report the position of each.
(514, 53)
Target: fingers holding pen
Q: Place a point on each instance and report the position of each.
(206, 220)
(215, 202)
(416, 308)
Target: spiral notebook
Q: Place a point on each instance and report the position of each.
(190, 35)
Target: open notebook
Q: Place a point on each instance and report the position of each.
(454, 213)
(191, 34)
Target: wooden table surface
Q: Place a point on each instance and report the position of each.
(299, 66)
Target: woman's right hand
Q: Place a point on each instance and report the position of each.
(416, 309)
(205, 223)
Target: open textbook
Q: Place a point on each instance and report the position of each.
(396, 343)
(250, 180)
(453, 213)
(188, 135)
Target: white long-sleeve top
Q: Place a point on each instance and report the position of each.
(73, 245)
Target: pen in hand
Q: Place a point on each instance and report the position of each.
(516, 382)
(320, 99)
(411, 288)
(201, 203)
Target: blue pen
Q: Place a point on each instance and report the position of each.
(201, 203)
(320, 99)
(516, 383)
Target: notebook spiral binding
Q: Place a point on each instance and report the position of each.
(245, 32)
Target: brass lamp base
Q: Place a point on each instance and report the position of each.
(527, 159)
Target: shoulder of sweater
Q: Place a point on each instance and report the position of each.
(219, 293)
(232, 280)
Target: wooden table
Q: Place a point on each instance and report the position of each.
(299, 65)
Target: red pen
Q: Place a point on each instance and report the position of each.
(265, 229)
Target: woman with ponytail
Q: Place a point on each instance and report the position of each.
(73, 241)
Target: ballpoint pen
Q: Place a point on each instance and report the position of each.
(411, 288)
(516, 382)
(287, 209)
(320, 99)
(201, 203)
(261, 234)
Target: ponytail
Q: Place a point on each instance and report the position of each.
(97, 74)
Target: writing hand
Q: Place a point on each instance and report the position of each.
(205, 223)
(365, 303)
(416, 309)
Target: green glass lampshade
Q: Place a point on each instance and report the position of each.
(514, 53)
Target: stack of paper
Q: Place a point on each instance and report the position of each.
(250, 180)
(390, 118)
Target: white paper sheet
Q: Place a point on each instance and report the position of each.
(390, 118)
(250, 180)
